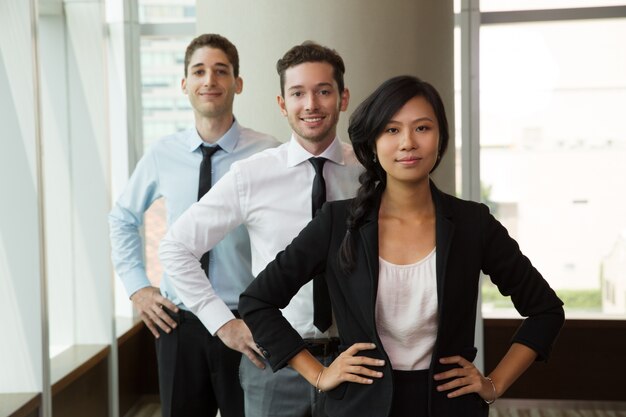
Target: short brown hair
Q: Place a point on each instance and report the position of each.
(213, 40)
(310, 51)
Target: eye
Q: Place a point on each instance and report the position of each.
(391, 130)
(198, 72)
(325, 92)
(221, 72)
(422, 128)
(297, 94)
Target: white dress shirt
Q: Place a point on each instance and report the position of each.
(270, 194)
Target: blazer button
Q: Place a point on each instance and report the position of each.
(263, 351)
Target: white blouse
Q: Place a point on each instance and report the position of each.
(406, 312)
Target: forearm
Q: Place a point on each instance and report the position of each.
(514, 363)
(127, 254)
(192, 286)
(307, 366)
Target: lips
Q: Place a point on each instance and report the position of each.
(312, 119)
(409, 159)
(210, 93)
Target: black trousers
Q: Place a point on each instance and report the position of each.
(198, 374)
(410, 396)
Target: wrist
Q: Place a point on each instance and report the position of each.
(319, 377)
(494, 393)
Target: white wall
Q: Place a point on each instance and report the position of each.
(376, 39)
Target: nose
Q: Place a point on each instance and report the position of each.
(209, 78)
(408, 140)
(311, 102)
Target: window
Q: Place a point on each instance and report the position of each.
(552, 152)
(165, 108)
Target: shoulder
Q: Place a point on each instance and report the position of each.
(458, 206)
(167, 145)
(267, 156)
(262, 140)
(337, 210)
(348, 155)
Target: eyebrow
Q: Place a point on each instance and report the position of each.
(419, 119)
(298, 87)
(217, 64)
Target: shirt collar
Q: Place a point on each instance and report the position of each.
(296, 154)
(227, 142)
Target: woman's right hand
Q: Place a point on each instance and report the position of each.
(348, 367)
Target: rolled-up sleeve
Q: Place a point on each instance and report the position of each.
(197, 231)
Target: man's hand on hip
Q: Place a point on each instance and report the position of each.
(236, 335)
(149, 303)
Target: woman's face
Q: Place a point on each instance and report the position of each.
(407, 148)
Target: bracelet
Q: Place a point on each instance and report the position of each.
(495, 395)
(317, 383)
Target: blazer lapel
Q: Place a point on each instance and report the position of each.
(369, 238)
(444, 231)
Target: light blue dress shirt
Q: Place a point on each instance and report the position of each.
(170, 169)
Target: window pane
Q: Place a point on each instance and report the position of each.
(508, 5)
(165, 110)
(167, 11)
(165, 107)
(553, 153)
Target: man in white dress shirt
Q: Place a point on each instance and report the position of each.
(270, 194)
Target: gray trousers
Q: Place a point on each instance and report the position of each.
(281, 394)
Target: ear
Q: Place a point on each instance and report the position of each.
(281, 104)
(183, 85)
(345, 99)
(238, 85)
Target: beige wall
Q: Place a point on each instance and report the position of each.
(377, 40)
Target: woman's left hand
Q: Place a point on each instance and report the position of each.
(467, 378)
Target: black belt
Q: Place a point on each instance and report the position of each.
(185, 315)
(322, 347)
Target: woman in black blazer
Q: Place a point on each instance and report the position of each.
(400, 220)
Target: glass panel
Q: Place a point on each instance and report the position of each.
(165, 110)
(553, 147)
(167, 11)
(508, 5)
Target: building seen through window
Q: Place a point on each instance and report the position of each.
(165, 108)
(553, 146)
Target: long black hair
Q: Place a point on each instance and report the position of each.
(367, 123)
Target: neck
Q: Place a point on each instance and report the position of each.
(211, 129)
(408, 199)
(315, 148)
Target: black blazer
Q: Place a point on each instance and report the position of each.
(468, 239)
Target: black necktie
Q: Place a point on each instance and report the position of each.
(204, 185)
(322, 313)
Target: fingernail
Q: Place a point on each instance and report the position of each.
(381, 362)
(379, 374)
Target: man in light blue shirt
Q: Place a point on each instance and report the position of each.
(198, 372)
